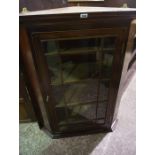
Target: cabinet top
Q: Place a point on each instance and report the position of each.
(77, 9)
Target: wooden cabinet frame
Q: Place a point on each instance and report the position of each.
(33, 29)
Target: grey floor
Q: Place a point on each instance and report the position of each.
(120, 142)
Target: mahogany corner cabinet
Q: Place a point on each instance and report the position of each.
(72, 61)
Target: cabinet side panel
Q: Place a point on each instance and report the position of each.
(25, 52)
(116, 77)
(127, 57)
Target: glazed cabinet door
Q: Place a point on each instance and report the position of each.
(79, 73)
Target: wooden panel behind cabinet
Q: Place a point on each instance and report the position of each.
(34, 5)
(105, 3)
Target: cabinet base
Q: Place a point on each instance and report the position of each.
(81, 133)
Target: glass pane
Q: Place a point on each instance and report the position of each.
(103, 90)
(85, 92)
(78, 67)
(109, 42)
(58, 94)
(81, 93)
(54, 67)
(107, 65)
(81, 113)
(80, 72)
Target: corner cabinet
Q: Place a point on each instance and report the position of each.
(73, 62)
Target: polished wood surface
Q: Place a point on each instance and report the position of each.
(34, 29)
(77, 9)
(30, 74)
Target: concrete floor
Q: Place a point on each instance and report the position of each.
(120, 142)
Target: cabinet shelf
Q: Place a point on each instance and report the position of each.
(74, 95)
(79, 73)
(81, 113)
(74, 104)
(86, 50)
(72, 122)
(74, 81)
